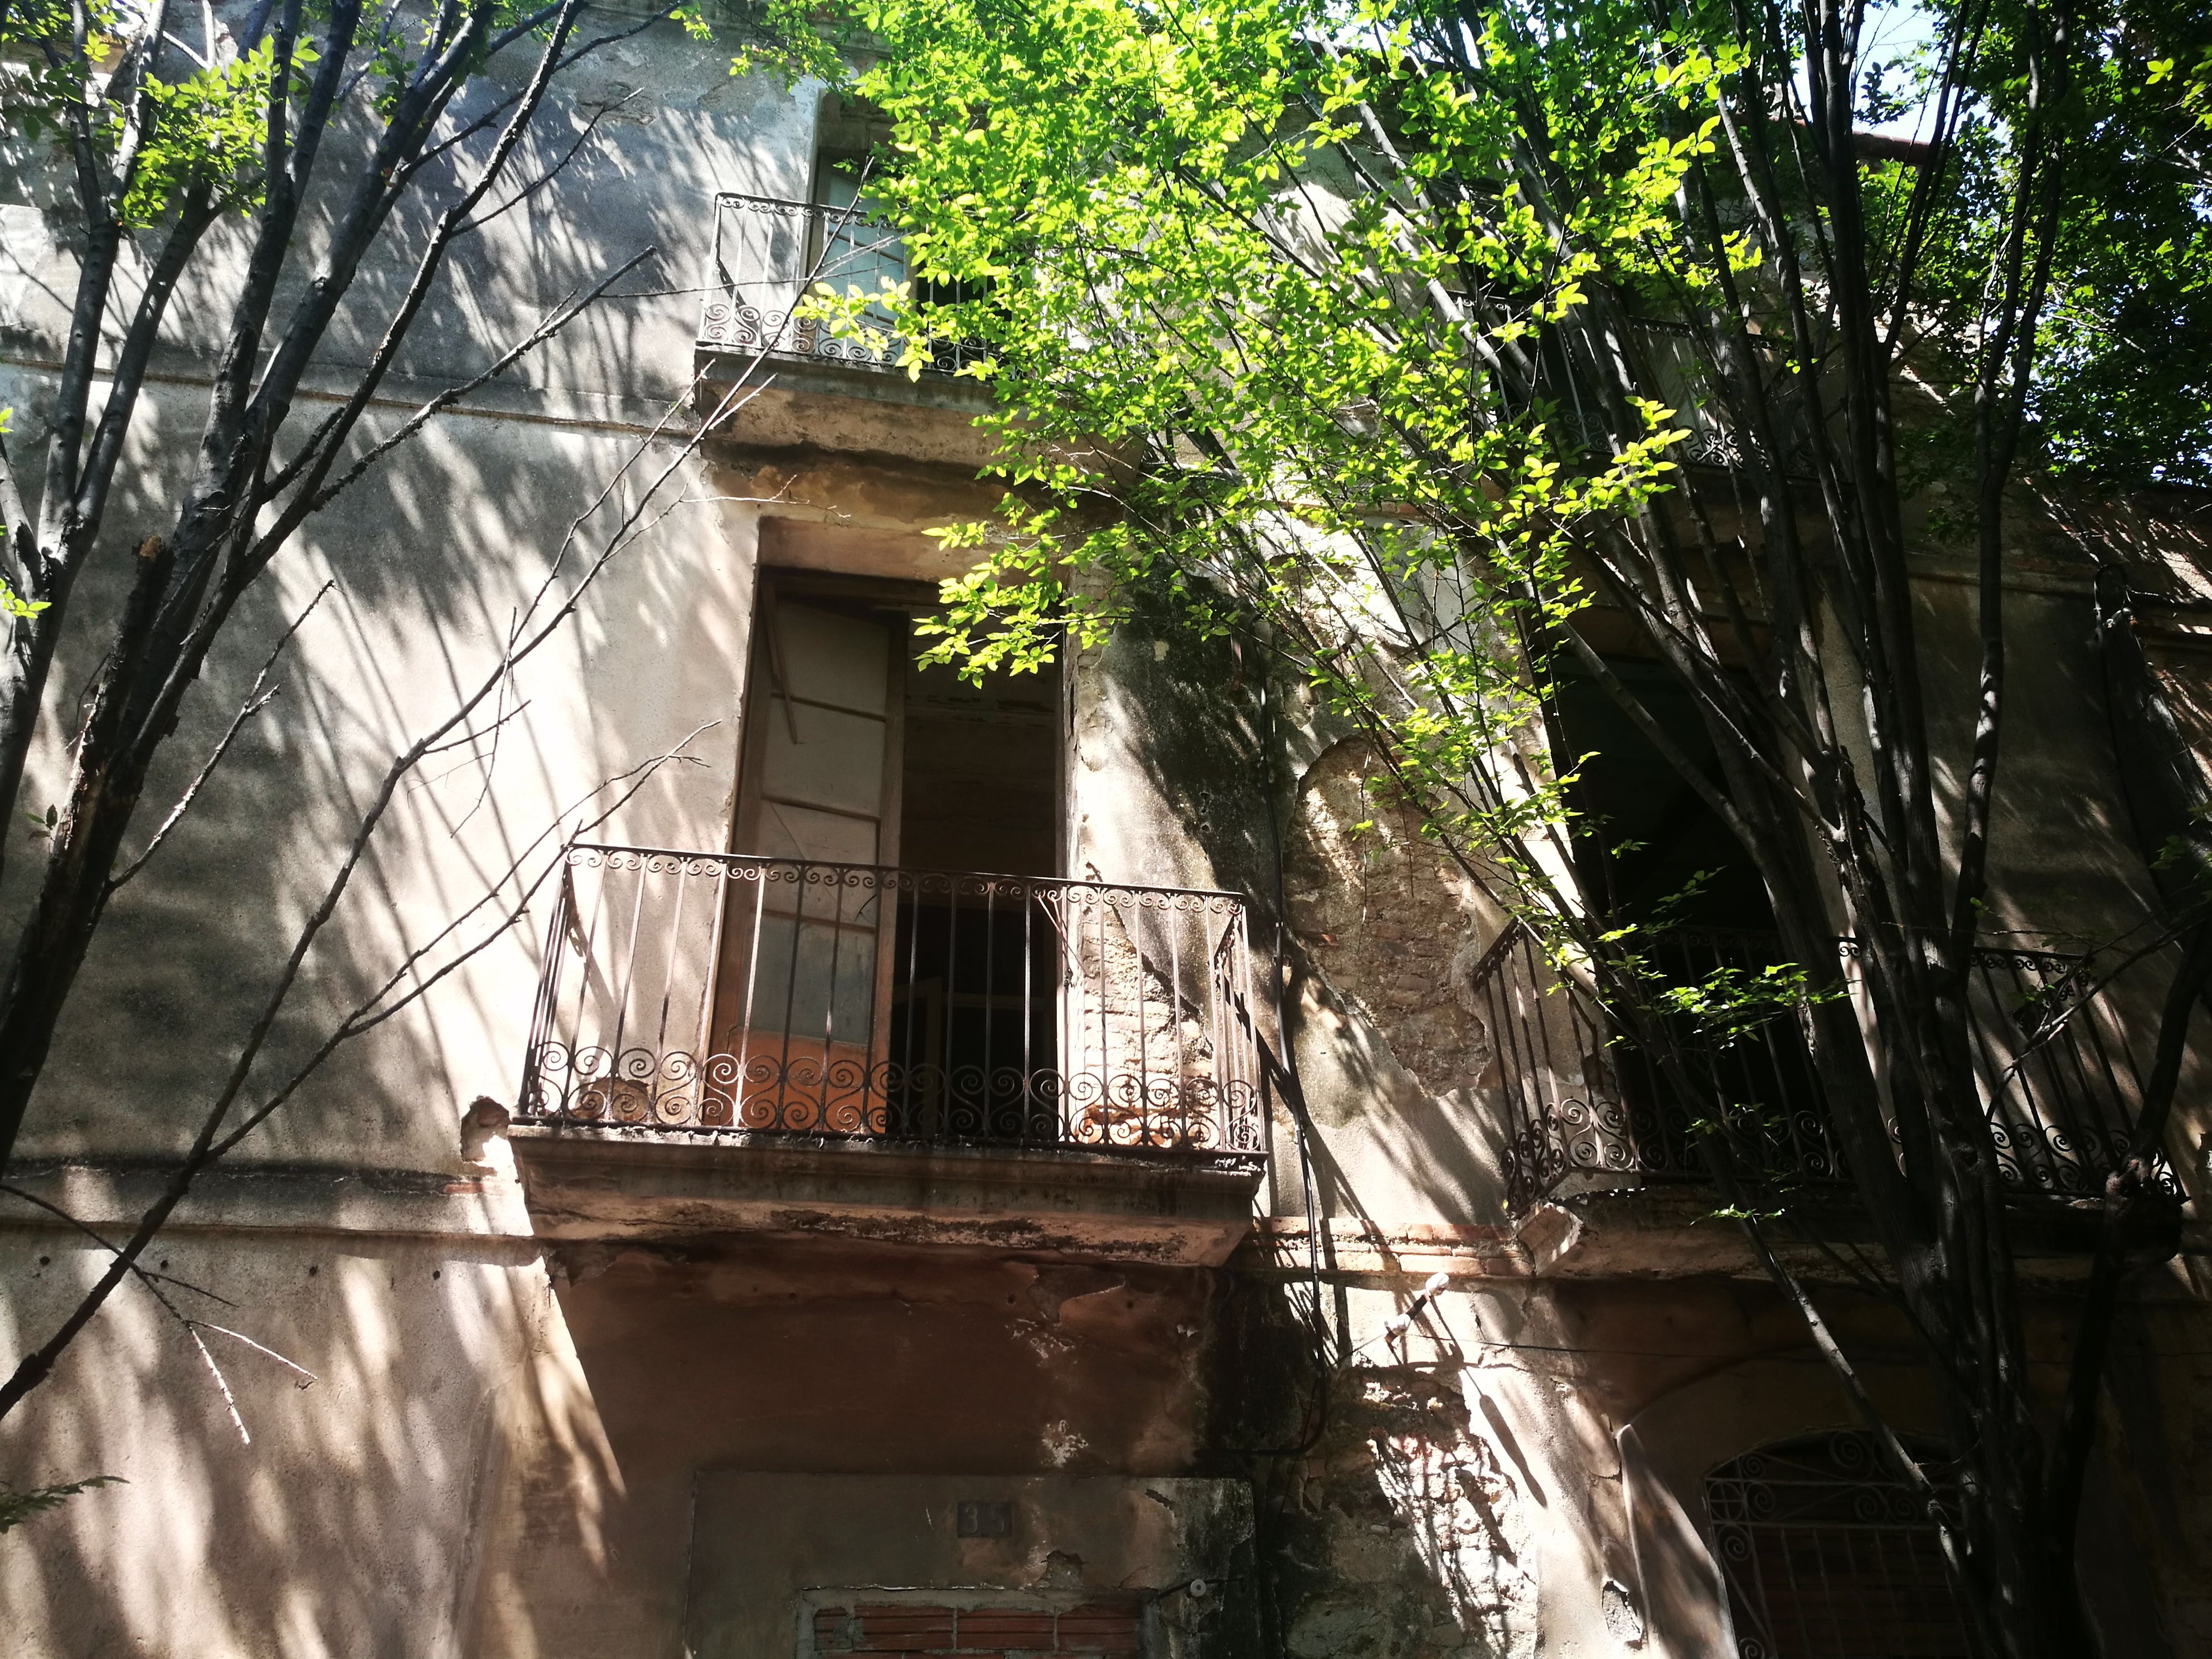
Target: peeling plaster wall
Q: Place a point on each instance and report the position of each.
(1427, 1531)
(768, 1355)
(504, 1451)
(766, 1547)
(1390, 923)
(1466, 1491)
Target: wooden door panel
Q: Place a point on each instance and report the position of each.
(800, 1015)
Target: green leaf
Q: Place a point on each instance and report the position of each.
(18, 1506)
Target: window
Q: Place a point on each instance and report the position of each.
(1642, 835)
(1827, 1557)
(1650, 851)
(856, 248)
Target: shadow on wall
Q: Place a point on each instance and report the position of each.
(1392, 1523)
(669, 126)
(354, 1522)
(433, 562)
(433, 552)
(1385, 933)
(1378, 932)
(350, 1525)
(816, 1357)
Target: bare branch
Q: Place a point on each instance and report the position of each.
(498, 724)
(145, 1274)
(259, 696)
(469, 740)
(368, 1014)
(211, 1143)
(483, 122)
(1900, 1463)
(591, 131)
(152, 1282)
(21, 546)
(241, 1336)
(230, 1404)
(307, 328)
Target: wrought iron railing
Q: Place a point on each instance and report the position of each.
(770, 253)
(713, 993)
(1585, 1107)
(1676, 374)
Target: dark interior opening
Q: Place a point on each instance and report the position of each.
(974, 1015)
(980, 787)
(973, 1020)
(1650, 852)
(1641, 834)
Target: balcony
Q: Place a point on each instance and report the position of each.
(722, 1041)
(1675, 373)
(769, 253)
(1586, 1111)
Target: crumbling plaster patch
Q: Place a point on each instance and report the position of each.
(1419, 1535)
(1392, 923)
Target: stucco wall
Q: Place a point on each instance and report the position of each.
(352, 1522)
(502, 1453)
(350, 1234)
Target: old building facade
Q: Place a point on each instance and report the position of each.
(1053, 1165)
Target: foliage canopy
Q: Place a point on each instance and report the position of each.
(1423, 343)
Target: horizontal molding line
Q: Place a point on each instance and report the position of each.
(638, 427)
(110, 1196)
(503, 1249)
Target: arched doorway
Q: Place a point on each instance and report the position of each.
(1827, 1556)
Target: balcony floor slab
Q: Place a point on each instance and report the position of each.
(584, 1183)
(1671, 1230)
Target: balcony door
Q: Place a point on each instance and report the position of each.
(801, 1011)
(854, 246)
(854, 997)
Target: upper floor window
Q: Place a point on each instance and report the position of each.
(769, 253)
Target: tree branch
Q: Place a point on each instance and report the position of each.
(257, 697)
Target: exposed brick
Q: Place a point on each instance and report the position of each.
(903, 1630)
(996, 1629)
(1099, 1630)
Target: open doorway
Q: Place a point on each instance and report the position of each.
(1651, 855)
(890, 960)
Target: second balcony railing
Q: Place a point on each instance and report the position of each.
(770, 254)
(713, 993)
(1586, 1109)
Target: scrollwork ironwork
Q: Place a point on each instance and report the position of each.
(768, 246)
(2054, 1098)
(837, 1097)
(1110, 1006)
